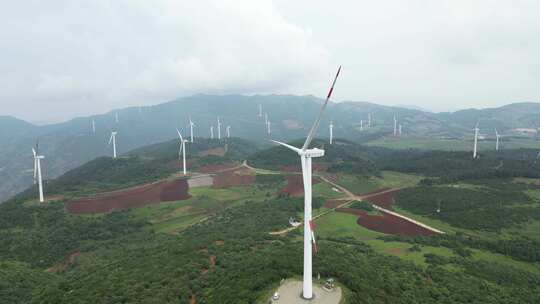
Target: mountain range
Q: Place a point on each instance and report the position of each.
(69, 144)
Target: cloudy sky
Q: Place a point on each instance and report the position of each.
(70, 58)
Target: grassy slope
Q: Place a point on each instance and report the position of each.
(424, 143)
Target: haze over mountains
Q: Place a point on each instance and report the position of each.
(69, 144)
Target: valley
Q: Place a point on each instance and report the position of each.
(233, 221)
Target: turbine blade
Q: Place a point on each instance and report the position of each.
(35, 168)
(313, 130)
(110, 139)
(179, 135)
(295, 149)
(34, 151)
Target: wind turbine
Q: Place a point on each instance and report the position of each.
(93, 126)
(361, 125)
(37, 171)
(182, 150)
(113, 139)
(228, 131)
(331, 131)
(268, 130)
(266, 118)
(260, 110)
(369, 120)
(116, 117)
(211, 132)
(475, 139)
(497, 135)
(305, 158)
(191, 124)
(218, 128)
(395, 125)
(399, 130)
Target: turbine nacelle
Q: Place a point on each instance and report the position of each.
(315, 152)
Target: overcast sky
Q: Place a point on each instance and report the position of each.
(62, 58)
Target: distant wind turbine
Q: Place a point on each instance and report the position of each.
(37, 171)
(182, 150)
(211, 132)
(113, 140)
(218, 128)
(191, 124)
(93, 126)
(497, 135)
(475, 140)
(268, 130)
(395, 125)
(228, 131)
(260, 110)
(361, 125)
(116, 117)
(331, 131)
(265, 118)
(369, 120)
(305, 157)
(399, 129)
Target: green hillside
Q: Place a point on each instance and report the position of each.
(72, 143)
(207, 248)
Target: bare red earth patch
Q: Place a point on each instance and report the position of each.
(64, 265)
(295, 185)
(231, 179)
(296, 168)
(216, 168)
(384, 200)
(154, 193)
(332, 204)
(386, 223)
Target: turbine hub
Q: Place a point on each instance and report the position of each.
(315, 152)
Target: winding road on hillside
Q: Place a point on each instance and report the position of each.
(351, 197)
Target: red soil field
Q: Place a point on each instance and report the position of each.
(384, 199)
(387, 223)
(298, 168)
(154, 193)
(375, 192)
(231, 179)
(216, 168)
(295, 185)
(332, 203)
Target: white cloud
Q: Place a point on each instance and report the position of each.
(80, 57)
(95, 55)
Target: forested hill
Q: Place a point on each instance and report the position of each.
(69, 144)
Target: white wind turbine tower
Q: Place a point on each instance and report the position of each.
(331, 131)
(399, 130)
(93, 126)
(475, 139)
(268, 130)
(116, 117)
(191, 124)
(265, 118)
(218, 128)
(361, 125)
(369, 120)
(497, 135)
(182, 150)
(395, 125)
(37, 171)
(211, 132)
(228, 131)
(260, 110)
(113, 140)
(305, 157)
